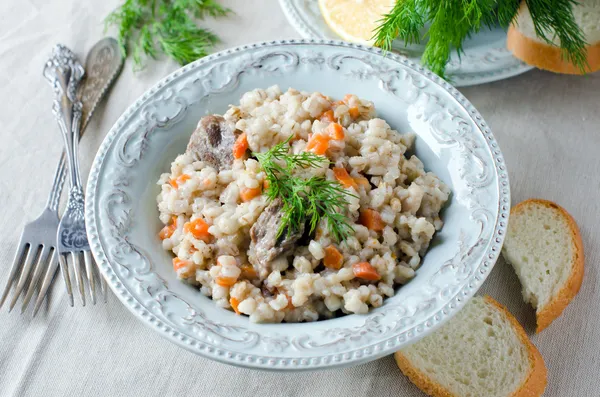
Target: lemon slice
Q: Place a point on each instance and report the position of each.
(355, 20)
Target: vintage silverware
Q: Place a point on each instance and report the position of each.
(37, 245)
(102, 66)
(65, 72)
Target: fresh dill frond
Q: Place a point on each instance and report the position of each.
(451, 22)
(147, 27)
(405, 21)
(201, 8)
(506, 11)
(305, 200)
(327, 200)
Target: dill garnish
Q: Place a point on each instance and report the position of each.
(146, 27)
(555, 17)
(311, 199)
(451, 22)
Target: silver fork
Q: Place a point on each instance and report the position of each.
(38, 246)
(36, 250)
(72, 242)
(38, 238)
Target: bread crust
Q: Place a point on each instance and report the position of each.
(548, 57)
(571, 288)
(427, 385)
(533, 385)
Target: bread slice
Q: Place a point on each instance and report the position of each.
(544, 246)
(482, 352)
(523, 42)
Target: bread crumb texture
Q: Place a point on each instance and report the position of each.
(540, 248)
(544, 246)
(482, 351)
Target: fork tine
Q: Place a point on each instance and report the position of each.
(13, 270)
(89, 269)
(39, 267)
(64, 269)
(52, 265)
(78, 276)
(25, 270)
(103, 287)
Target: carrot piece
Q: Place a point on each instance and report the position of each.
(225, 281)
(371, 219)
(362, 181)
(240, 146)
(290, 305)
(180, 263)
(327, 116)
(247, 194)
(335, 131)
(179, 180)
(344, 178)
(182, 178)
(318, 144)
(168, 230)
(333, 258)
(354, 112)
(365, 271)
(199, 229)
(234, 305)
(248, 271)
(266, 184)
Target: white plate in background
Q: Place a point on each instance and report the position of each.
(485, 58)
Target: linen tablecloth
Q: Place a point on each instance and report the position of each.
(548, 127)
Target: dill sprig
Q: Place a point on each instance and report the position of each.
(556, 18)
(146, 27)
(311, 199)
(451, 22)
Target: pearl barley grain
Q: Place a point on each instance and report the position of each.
(231, 250)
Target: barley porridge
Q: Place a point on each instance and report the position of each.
(297, 207)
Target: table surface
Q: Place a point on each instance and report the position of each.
(547, 125)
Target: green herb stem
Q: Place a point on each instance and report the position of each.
(147, 27)
(451, 22)
(304, 200)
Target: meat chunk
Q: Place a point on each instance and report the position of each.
(212, 142)
(265, 246)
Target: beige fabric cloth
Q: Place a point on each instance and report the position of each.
(547, 125)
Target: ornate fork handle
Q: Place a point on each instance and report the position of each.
(103, 63)
(64, 72)
(57, 184)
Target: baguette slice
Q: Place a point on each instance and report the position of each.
(523, 42)
(544, 246)
(482, 352)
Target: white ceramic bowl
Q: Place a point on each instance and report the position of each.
(452, 140)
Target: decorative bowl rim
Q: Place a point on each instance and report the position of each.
(356, 355)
